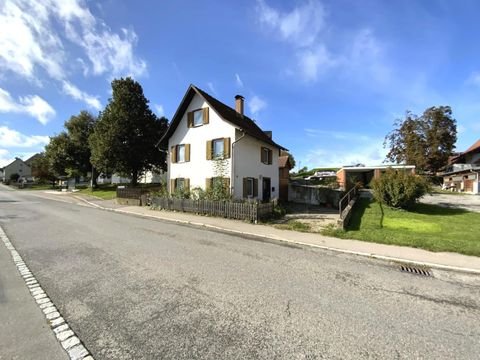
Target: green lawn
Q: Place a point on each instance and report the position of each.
(428, 227)
(105, 192)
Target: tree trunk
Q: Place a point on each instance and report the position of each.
(134, 180)
(93, 182)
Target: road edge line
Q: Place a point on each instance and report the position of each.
(64, 334)
(323, 247)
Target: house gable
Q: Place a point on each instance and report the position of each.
(225, 112)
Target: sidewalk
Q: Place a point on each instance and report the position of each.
(441, 260)
(24, 333)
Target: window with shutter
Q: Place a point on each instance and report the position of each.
(180, 153)
(226, 148)
(249, 187)
(266, 156)
(206, 115)
(187, 152)
(173, 154)
(209, 150)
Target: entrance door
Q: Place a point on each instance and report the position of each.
(266, 186)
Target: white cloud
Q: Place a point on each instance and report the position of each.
(367, 154)
(5, 157)
(32, 105)
(14, 139)
(256, 104)
(314, 61)
(339, 135)
(77, 94)
(474, 78)
(37, 38)
(301, 25)
(211, 88)
(238, 81)
(316, 48)
(159, 109)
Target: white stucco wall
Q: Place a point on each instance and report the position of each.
(198, 168)
(244, 160)
(18, 167)
(247, 163)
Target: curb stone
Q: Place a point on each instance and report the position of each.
(62, 331)
(260, 236)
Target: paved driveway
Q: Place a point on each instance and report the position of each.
(463, 201)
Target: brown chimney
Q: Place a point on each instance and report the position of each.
(239, 104)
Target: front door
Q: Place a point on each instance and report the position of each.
(266, 186)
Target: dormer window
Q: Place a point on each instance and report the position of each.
(197, 117)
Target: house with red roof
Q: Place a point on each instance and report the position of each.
(463, 171)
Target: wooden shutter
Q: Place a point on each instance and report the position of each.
(208, 183)
(270, 154)
(190, 119)
(186, 183)
(173, 151)
(226, 148)
(205, 116)
(209, 150)
(226, 182)
(245, 187)
(255, 187)
(187, 152)
(172, 186)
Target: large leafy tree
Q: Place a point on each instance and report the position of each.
(424, 141)
(42, 169)
(126, 133)
(68, 153)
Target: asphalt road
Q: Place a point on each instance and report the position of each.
(135, 288)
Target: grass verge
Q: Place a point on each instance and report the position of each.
(428, 227)
(294, 225)
(105, 192)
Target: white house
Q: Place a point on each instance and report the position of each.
(17, 166)
(204, 130)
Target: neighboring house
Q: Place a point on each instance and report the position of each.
(348, 176)
(462, 173)
(284, 167)
(149, 177)
(209, 141)
(1, 174)
(17, 166)
(30, 162)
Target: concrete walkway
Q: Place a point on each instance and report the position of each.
(442, 260)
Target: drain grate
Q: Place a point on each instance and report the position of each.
(416, 270)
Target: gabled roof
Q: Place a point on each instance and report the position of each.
(242, 122)
(32, 158)
(474, 147)
(284, 161)
(13, 162)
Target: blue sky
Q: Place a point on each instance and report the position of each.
(328, 77)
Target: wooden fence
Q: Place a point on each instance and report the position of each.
(228, 209)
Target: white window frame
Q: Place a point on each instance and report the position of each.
(178, 150)
(250, 187)
(195, 117)
(214, 154)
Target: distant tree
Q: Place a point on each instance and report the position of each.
(68, 153)
(57, 153)
(42, 168)
(426, 141)
(126, 133)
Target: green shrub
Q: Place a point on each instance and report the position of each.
(399, 189)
